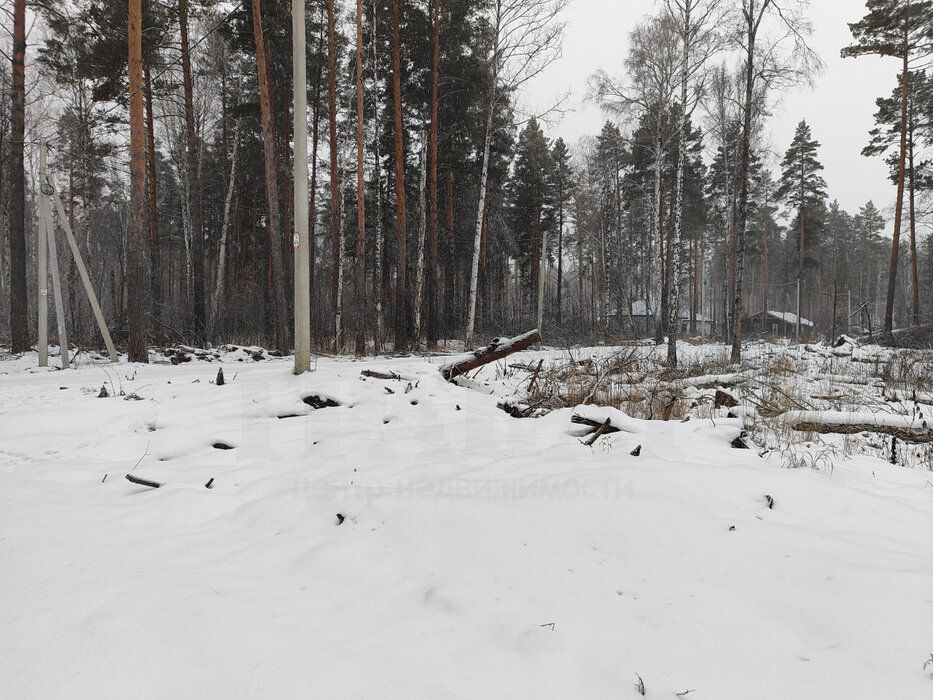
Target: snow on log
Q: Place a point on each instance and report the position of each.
(596, 416)
(907, 428)
(496, 350)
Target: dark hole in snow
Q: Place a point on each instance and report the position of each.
(770, 501)
(732, 528)
(289, 415)
(340, 518)
(222, 446)
(739, 442)
(210, 483)
(636, 451)
(414, 402)
(315, 401)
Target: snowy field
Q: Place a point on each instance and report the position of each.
(415, 541)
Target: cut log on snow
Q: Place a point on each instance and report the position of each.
(906, 428)
(496, 350)
(143, 482)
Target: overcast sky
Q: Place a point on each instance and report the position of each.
(839, 109)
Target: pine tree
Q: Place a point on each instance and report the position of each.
(918, 173)
(563, 190)
(19, 328)
(801, 186)
(137, 235)
(903, 30)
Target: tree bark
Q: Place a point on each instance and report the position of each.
(360, 192)
(419, 266)
(198, 316)
(335, 203)
(379, 331)
(19, 327)
(753, 20)
(274, 224)
(137, 232)
(432, 179)
(155, 260)
(899, 206)
(224, 228)
(401, 285)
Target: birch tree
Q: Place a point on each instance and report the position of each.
(647, 91)
(696, 23)
(526, 39)
(771, 59)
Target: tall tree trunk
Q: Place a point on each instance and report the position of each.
(315, 133)
(453, 277)
(419, 266)
(401, 284)
(379, 330)
(274, 224)
(478, 238)
(914, 282)
(224, 228)
(899, 206)
(560, 246)
(335, 202)
(433, 271)
(155, 264)
(19, 326)
(360, 191)
(197, 304)
(137, 233)
(660, 319)
(753, 20)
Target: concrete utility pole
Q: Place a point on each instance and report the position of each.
(43, 272)
(46, 233)
(300, 238)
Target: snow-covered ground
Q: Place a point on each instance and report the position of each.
(417, 542)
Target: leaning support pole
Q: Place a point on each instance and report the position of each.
(85, 278)
(43, 273)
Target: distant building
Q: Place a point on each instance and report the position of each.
(781, 323)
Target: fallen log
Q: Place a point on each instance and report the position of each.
(599, 431)
(595, 424)
(496, 350)
(380, 375)
(905, 428)
(143, 482)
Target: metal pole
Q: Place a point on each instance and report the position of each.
(798, 309)
(43, 276)
(300, 238)
(82, 271)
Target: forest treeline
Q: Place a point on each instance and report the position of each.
(439, 206)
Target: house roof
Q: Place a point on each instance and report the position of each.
(785, 316)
